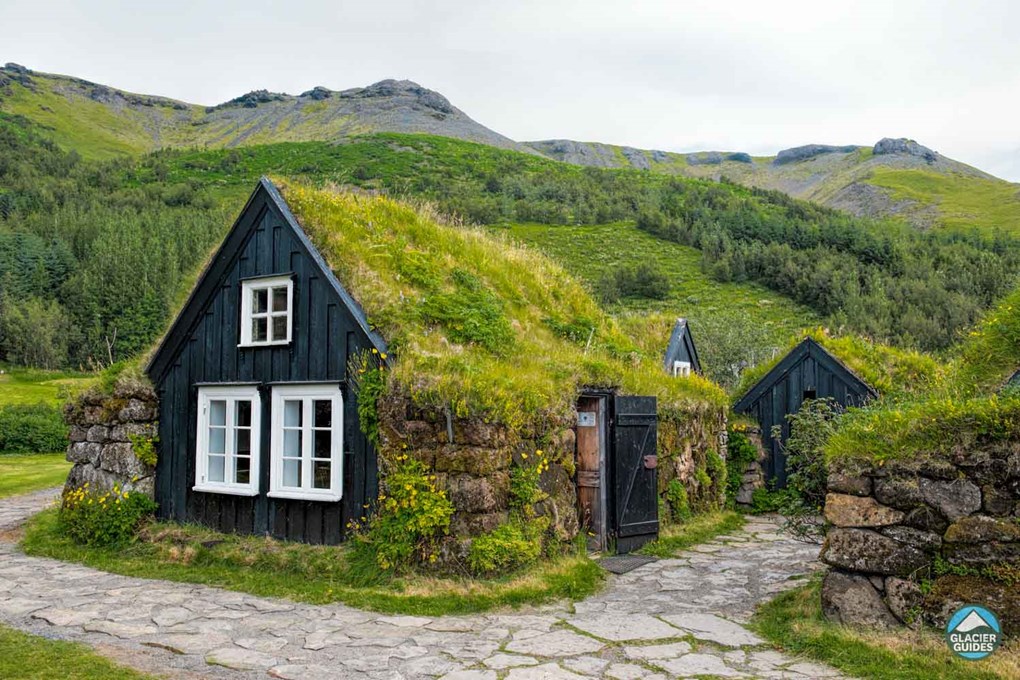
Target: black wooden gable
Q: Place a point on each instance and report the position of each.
(809, 371)
(202, 349)
(809, 350)
(681, 347)
(265, 198)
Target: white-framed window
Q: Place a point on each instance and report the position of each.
(228, 440)
(266, 306)
(681, 369)
(307, 442)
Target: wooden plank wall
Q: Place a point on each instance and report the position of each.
(325, 336)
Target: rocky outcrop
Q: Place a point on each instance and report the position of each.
(904, 146)
(102, 429)
(803, 153)
(953, 522)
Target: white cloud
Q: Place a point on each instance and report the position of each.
(754, 76)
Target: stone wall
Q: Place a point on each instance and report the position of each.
(472, 461)
(685, 442)
(101, 428)
(754, 474)
(951, 524)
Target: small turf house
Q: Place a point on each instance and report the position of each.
(257, 429)
(808, 371)
(681, 354)
(494, 358)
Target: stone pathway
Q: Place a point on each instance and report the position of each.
(16, 509)
(673, 618)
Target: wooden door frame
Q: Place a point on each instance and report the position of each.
(604, 521)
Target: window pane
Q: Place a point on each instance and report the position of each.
(243, 418)
(216, 468)
(217, 440)
(218, 412)
(323, 438)
(321, 474)
(323, 413)
(280, 299)
(259, 328)
(292, 443)
(279, 328)
(242, 442)
(292, 413)
(242, 470)
(260, 301)
(292, 473)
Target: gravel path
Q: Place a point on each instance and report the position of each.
(673, 618)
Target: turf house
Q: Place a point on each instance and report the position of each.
(681, 353)
(808, 371)
(337, 344)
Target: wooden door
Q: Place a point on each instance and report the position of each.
(591, 490)
(635, 479)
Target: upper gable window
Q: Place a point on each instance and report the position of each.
(266, 306)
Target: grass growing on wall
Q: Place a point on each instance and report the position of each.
(476, 322)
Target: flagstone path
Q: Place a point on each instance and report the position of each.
(672, 618)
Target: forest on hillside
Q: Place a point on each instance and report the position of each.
(94, 257)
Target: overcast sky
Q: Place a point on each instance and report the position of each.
(754, 76)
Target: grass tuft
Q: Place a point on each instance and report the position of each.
(699, 529)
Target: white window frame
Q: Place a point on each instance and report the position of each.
(307, 394)
(231, 394)
(248, 287)
(681, 369)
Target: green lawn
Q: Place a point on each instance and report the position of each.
(24, 474)
(794, 623)
(30, 657)
(698, 529)
(32, 386)
(313, 574)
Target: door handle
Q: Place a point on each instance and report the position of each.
(651, 462)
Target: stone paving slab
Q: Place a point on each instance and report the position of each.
(673, 618)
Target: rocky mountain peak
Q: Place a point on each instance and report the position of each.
(904, 146)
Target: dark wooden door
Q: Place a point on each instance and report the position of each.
(591, 469)
(635, 481)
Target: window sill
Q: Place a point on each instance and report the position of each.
(228, 490)
(255, 345)
(324, 496)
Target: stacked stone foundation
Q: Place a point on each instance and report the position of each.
(912, 541)
(101, 428)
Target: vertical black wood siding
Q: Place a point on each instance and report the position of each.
(808, 368)
(325, 335)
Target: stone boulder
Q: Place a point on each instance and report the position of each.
(904, 146)
(864, 550)
(904, 599)
(848, 482)
(954, 499)
(899, 492)
(803, 153)
(982, 529)
(852, 600)
(844, 510)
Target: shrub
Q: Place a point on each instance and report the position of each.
(810, 430)
(411, 515)
(676, 500)
(368, 378)
(510, 546)
(145, 448)
(642, 281)
(524, 488)
(109, 518)
(31, 429)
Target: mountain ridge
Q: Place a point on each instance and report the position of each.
(896, 177)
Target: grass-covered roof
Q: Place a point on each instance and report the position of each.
(893, 372)
(475, 321)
